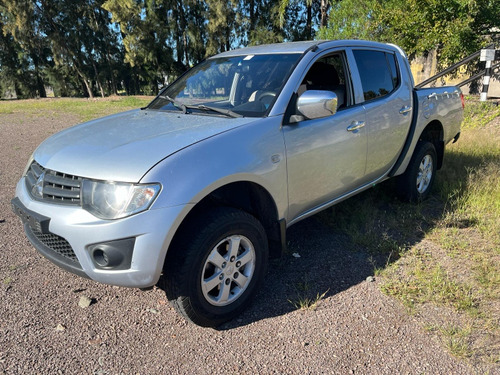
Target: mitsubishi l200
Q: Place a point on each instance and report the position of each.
(195, 191)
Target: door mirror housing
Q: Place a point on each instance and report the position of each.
(314, 104)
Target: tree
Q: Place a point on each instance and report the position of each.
(455, 28)
(15, 75)
(222, 22)
(97, 47)
(21, 19)
(314, 9)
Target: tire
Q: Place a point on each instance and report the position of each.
(416, 183)
(218, 264)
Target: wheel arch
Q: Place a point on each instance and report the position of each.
(246, 196)
(434, 133)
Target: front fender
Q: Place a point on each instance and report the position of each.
(254, 152)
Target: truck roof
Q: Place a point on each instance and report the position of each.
(301, 47)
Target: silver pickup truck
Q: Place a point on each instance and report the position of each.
(196, 190)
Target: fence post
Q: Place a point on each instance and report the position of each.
(487, 55)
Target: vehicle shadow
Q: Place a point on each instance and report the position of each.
(324, 254)
(317, 261)
(343, 245)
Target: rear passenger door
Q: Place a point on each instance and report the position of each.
(388, 107)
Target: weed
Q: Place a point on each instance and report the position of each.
(487, 274)
(457, 340)
(478, 114)
(451, 240)
(431, 327)
(493, 358)
(432, 284)
(302, 302)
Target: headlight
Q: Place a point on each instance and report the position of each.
(115, 200)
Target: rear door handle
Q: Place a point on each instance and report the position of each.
(405, 110)
(355, 126)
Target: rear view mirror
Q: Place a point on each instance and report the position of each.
(315, 104)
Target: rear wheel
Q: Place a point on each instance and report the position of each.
(217, 266)
(415, 184)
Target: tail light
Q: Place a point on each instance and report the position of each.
(462, 98)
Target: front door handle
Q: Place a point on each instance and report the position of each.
(405, 110)
(355, 126)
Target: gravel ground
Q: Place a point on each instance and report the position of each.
(354, 330)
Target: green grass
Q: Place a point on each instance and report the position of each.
(457, 340)
(85, 109)
(442, 256)
(429, 282)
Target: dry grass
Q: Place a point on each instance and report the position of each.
(462, 269)
(442, 255)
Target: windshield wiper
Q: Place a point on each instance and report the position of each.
(226, 112)
(176, 103)
(184, 108)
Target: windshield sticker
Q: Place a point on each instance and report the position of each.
(249, 57)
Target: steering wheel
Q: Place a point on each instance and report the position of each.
(265, 97)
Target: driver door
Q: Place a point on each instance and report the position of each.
(326, 157)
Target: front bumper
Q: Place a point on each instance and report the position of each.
(68, 236)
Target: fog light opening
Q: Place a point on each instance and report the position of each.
(112, 255)
(101, 258)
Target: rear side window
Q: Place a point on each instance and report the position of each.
(378, 72)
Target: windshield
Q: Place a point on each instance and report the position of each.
(235, 86)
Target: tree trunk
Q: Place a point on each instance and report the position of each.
(309, 23)
(40, 87)
(252, 14)
(325, 6)
(84, 79)
(186, 50)
(97, 79)
(89, 90)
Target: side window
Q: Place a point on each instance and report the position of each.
(327, 73)
(378, 72)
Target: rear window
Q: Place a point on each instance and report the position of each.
(378, 72)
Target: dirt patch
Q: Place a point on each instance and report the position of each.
(355, 328)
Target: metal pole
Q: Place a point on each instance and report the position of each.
(453, 67)
(476, 76)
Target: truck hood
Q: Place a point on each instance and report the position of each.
(123, 147)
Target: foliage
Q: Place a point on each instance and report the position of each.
(105, 47)
(455, 28)
(478, 114)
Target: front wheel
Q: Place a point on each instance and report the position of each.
(218, 263)
(415, 184)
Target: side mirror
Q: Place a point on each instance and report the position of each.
(315, 104)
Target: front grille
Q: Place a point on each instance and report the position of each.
(47, 185)
(57, 244)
